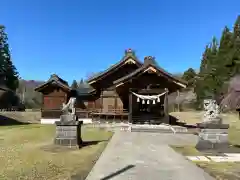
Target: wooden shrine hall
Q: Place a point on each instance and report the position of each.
(129, 90)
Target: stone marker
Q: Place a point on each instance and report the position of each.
(213, 133)
(68, 129)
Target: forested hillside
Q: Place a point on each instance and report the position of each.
(27, 95)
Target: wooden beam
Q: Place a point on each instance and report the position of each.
(180, 84)
(119, 84)
(91, 82)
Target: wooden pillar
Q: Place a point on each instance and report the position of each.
(178, 106)
(166, 107)
(95, 103)
(115, 100)
(101, 100)
(130, 107)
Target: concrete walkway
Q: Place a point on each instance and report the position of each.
(146, 156)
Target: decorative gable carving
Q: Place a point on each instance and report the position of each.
(151, 70)
(130, 61)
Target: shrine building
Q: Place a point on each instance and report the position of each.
(130, 90)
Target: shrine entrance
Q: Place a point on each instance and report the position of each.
(148, 106)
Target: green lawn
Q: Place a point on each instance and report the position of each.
(27, 152)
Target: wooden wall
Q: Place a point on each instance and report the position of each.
(110, 101)
(54, 98)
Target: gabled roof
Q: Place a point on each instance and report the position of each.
(150, 65)
(85, 91)
(54, 79)
(129, 56)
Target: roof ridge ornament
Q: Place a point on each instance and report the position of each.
(129, 51)
(54, 76)
(149, 60)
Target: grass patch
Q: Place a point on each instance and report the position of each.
(23, 153)
(219, 170)
(187, 150)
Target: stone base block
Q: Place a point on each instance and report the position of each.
(67, 142)
(68, 118)
(68, 134)
(212, 139)
(212, 126)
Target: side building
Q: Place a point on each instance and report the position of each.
(129, 90)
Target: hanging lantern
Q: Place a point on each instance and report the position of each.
(148, 102)
(138, 99)
(154, 102)
(158, 99)
(143, 102)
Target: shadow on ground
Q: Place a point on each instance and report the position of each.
(58, 148)
(110, 176)
(89, 143)
(83, 176)
(6, 121)
(175, 121)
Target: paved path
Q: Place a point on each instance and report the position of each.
(146, 156)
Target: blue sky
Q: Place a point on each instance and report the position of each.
(73, 38)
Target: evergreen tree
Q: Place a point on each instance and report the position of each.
(81, 84)
(74, 85)
(6, 65)
(224, 58)
(204, 61)
(211, 79)
(189, 76)
(200, 84)
(236, 48)
(225, 55)
(207, 81)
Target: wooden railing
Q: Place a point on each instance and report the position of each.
(56, 113)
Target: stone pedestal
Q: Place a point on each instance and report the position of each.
(68, 133)
(212, 136)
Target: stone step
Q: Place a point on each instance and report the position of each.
(152, 130)
(179, 129)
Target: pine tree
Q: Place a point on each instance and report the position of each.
(74, 85)
(7, 67)
(200, 84)
(81, 84)
(224, 58)
(204, 61)
(225, 55)
(189, 76)
(212, 79)
(236, 48)
(207, 82)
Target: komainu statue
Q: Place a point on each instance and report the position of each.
(212, 112)
(69, 108)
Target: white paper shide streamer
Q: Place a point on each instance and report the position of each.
(147, 99)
